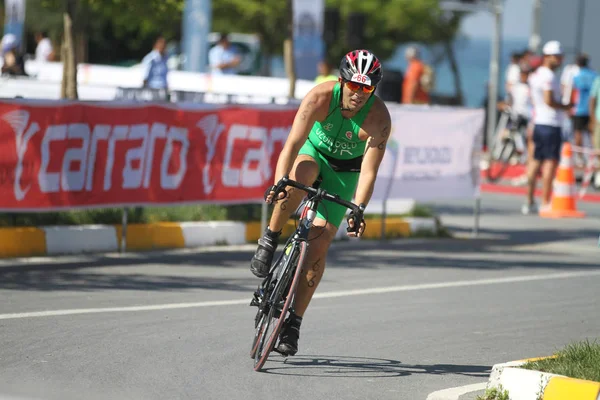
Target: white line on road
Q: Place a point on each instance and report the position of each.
(455, 393)
(341, 293)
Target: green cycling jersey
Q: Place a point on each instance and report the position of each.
(336, 136)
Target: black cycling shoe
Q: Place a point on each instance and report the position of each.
(288, 339)
(261, 262)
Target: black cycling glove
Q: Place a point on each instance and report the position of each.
(357, 218)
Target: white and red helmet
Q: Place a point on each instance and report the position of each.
(361, 66)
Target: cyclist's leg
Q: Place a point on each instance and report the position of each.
(329, 218)
(305, 170)
(323, 233)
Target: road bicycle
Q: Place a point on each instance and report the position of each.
(509, 144)
(275, 295)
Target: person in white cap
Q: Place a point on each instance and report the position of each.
(547, 119)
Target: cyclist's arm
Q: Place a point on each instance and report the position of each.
(378, 126)
(313, 108)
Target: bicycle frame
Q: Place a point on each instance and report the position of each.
(275, 295)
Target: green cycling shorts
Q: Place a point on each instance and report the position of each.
(341, 183)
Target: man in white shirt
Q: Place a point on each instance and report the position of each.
(222, 59)
(512, 72)
(43, 50)
(548, 117)
(155, 66)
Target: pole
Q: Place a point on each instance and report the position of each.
(263, 216)
(383, 215)
(536, 37)
(124, 231)
(581, 18)
(197, 17)
(476, 214)
(494, 71)
(288, 51)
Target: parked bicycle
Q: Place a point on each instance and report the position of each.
(275, 295)
(509, 145)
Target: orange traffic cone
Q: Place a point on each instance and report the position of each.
(563, 190)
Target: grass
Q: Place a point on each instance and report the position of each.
(243, 212)
(495, 394)
(580, 360)
(418, 210)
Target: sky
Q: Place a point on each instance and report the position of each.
(517, 21)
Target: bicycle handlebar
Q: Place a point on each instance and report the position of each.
(285, 181)
(357, 211)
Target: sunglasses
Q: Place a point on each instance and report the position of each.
(355, 87)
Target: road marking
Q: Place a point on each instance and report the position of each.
(326, 295)
(455, 393)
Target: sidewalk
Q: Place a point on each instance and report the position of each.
(514, 181)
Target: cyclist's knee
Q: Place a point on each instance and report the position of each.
(305, 170)
(322, 233)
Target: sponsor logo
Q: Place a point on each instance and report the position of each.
(427, 155)
(248, 153)
(340, 147)
(212, 130)
(328, 126)
(74, 169)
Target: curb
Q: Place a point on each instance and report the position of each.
(524, 384)
(86, 239)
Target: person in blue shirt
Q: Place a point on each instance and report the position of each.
(222, 58)
(155, 66)
(582, 87)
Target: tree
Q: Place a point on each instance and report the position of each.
(69, 78)
(125, 29)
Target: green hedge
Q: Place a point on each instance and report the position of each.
(244, 212)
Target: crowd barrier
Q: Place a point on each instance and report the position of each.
(181, 96)
(71, 155)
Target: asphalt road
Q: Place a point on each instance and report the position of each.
(394, 320)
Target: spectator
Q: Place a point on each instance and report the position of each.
(13, 62)
(412, 90)
(566, 81)
(155, 66)
(222, 58)
(547, 119)
(513, 71)
(325, 74)
(582, 86)
(43, 51)
(594, 111)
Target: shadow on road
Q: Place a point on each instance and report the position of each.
(363, 367)
(150, 271)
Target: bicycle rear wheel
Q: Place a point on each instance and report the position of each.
(279, 303)
(501, 153)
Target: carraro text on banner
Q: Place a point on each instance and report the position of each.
(83, 155)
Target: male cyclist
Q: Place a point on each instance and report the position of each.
(339, 137)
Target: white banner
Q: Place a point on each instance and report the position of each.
(433, 153)
(14, 19)
(308, 37)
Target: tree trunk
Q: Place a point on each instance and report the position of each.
(455, 72)
(69, 79)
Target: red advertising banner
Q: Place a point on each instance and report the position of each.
(88, 155)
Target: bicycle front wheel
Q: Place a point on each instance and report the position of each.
(279, 303)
